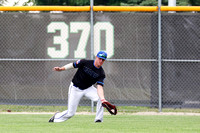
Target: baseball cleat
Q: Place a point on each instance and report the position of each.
(97, 121)
(52, 118)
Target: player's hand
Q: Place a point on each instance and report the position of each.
(57, 69)
(110, 107)
(103, 100)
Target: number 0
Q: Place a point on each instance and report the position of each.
(109, 30)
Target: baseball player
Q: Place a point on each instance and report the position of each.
(89, 72)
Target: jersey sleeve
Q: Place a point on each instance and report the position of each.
(78, 63)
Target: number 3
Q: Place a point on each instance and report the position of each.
(59, 40)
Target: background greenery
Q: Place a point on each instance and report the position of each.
(106, 2)
(116, 2)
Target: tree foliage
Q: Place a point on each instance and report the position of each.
(149, 3)
(17, 3)
(194, 2)
(116, 2)
(2, 2)
(108, 2)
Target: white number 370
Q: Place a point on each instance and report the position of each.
(75, 27)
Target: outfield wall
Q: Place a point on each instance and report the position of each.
(33, 43)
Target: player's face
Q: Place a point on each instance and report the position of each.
(99, 62)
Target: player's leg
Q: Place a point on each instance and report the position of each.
(99, 111)
(74, 96)
(91, 93)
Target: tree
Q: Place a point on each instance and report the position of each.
(63, 2)
(2, 2)
(79, 2)
(115, 2)
(130, 2)
(149, 3)
(17, 2)
(194, 2)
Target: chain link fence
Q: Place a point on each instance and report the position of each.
(33, 43)
(181, 54)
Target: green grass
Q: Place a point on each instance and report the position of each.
(21, 123)
(122, 109)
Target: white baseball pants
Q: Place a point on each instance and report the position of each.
(74, 97)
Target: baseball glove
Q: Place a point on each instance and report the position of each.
(111, 108)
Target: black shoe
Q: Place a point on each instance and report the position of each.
(97, 121)
(52, 118)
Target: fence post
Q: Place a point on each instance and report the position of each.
(92, 39)
(159, 57)
(171, 3)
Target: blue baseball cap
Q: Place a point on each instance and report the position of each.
(102, 55)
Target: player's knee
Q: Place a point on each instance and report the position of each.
(95, 99)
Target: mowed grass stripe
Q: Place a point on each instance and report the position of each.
(20, 123)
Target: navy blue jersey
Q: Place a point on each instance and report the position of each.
(87, 74)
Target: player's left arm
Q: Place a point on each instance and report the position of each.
(100, 84)
(100, 92)
(110, 107)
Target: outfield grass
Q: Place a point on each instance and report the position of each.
(122, 109)
(26, 123)
(123, 123)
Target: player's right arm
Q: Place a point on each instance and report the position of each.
(66, 67)
(76, 64)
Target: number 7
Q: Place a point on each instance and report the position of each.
(81, 48)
